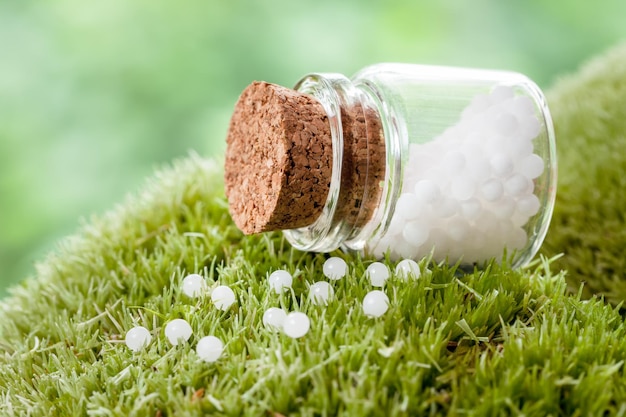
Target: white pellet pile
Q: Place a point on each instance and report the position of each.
(468, 193)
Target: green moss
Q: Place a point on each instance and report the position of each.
(589, 227)
(489, 342)
(492, 342)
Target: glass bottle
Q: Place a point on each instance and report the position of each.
(454, 162)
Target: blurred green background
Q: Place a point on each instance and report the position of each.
(95, 94)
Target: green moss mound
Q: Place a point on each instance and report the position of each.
(492, 342)
(589, 223)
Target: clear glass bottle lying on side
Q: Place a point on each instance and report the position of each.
(456, 162)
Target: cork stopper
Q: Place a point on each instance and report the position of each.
(278, 159)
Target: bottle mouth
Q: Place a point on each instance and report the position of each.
(358, 166)
(394, 145)
(324, 235)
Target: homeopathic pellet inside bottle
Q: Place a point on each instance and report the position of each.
(401, 159)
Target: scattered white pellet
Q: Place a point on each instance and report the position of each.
(279, 280)
(407, 268)
(178, 331)
(375, 303)
(296, 325)
(194, 285)
(138, 338)
(210, 348)
(223, 297)
(335, 268)
(377, 273)
(321, 292)
(274, 318)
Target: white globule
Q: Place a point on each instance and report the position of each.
(469, 192)
(274, 318)
(492, 190)
(375, 303)
(193, 285)
(501, 164)
(296, 325)
(209, 348)
(279, 280)
(415, 233)
(223, 297)
(378, 273)
(321, 292)
(407, 268)
(532, 166)
(528, 205)
(517, 185)
(462, 188)
(138, 338)
(406, 205)
(335, 268)
(427, 191)
(177, 331)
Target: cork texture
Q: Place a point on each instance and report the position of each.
(278, 159)
(363, 165)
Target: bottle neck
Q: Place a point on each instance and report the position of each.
(358, 164)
